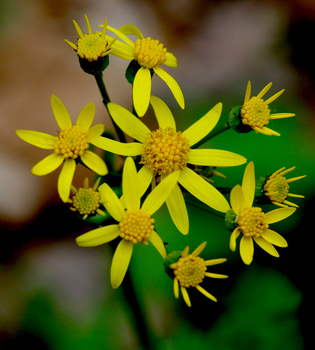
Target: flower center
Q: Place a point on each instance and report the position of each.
(92, 47)
(136, 226)
(190, 271)
(165, 150)
(149, 53)
(71, 143)
(277, 189)
(252, 222)
(86, 201)
(255, 113)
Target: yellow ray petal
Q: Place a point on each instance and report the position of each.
(247, 249)
(248, 92)
(249, 184)
(95, 132)
(130, 185)
(88, 25)
(266, 246)
(199, 249)
(78, 29)
(141, 91)
(145, 178)
(203, 190)
(112, 202)
(65, 179)
(275, 96)
(215, 157)
(281, 115)
(264, 90)
(122, 36)
(60, 112)
(172, 84)
(156, 240)
(120, 49)
(176, 288)
(214, 262)
(215, 275)
(94, 162)
(86, 117)
(98, 236)
(278, 214)
(37, 138)
(120, 263)
(185, 296)
(171, 60)
(205, 293)
(123, 149)
(204, 125)
(47, 165)
(129, 29)
(163, 114)
(237, 199)
(233, 238)
(274, 238)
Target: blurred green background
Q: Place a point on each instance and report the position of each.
(56, 295)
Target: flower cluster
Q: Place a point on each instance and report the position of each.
(160, 165)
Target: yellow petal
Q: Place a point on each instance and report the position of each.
(199, 249)
(281, 115)
(249, 184)
(94, 162)
(98, 236)
(163, 114)
(120, 49)
(248, 92)
(78, 29)
(130, 185)
(233, 238)
(215, 275)
(123, 149)
(278, 215)
(264, 90)
(86, 117)
(274, 238)
(215, 157)
(275, 96)
(205, 293)
(145, 176)
(203, 190)
(176, 288)
(204, 125)
(47, 165)
(156, 240)
(129, 29)
(214, 262)
(141, 91)
(171, 60)
(172, 84)
(160, 193)
(247, 249)
(37, 138)
(185, 296)
(88, 25)
(65, 179)
(120, 263)
(237, 199)
(95, 132)
(122, 36)
(266, 246)
(177, 209)
(112, 202)
(60, 112)
(128, 123)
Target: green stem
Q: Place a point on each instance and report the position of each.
(191, 201)
(218, 130)
(106, 100)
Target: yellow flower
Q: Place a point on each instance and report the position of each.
(276, 188)
(91, 46)
(255, 111)
(166, 150)
(69, 146)
(190, 270)
(149, 54)
(135, 224)
(86, 200)
(252, 222)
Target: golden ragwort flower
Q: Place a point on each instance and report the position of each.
(150, 54)
(190, 270)
(252, 222)
(255, 111)
(86, 200)
(69, 146)
(167, 150)
(276, 188)
(91, 46)
(135, 224)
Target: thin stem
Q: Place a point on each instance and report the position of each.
(216, 131)
(106, 100)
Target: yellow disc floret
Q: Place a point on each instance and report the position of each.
(71, 143)
(277, 188)
(86, 201)
(252, 222)
(136, 226)
(190, 270)
(92, 47)
(165, 150)
(255, 113)
(149, 53)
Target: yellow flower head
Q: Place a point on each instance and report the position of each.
(276, 188)
(190, 270)
(149, 54)
(86, 200)
(252, 222)
(91, 46)
(166, 150)
(255, 111)
(71, 144)
(135, 224)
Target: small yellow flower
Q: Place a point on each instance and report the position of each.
(167, 150)
(276, 188)
(91, 46)
(86, 200)
(255, 111)
(150, 54)
(69, 146)
(190, 270)
(135, 224)
(252, 222)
